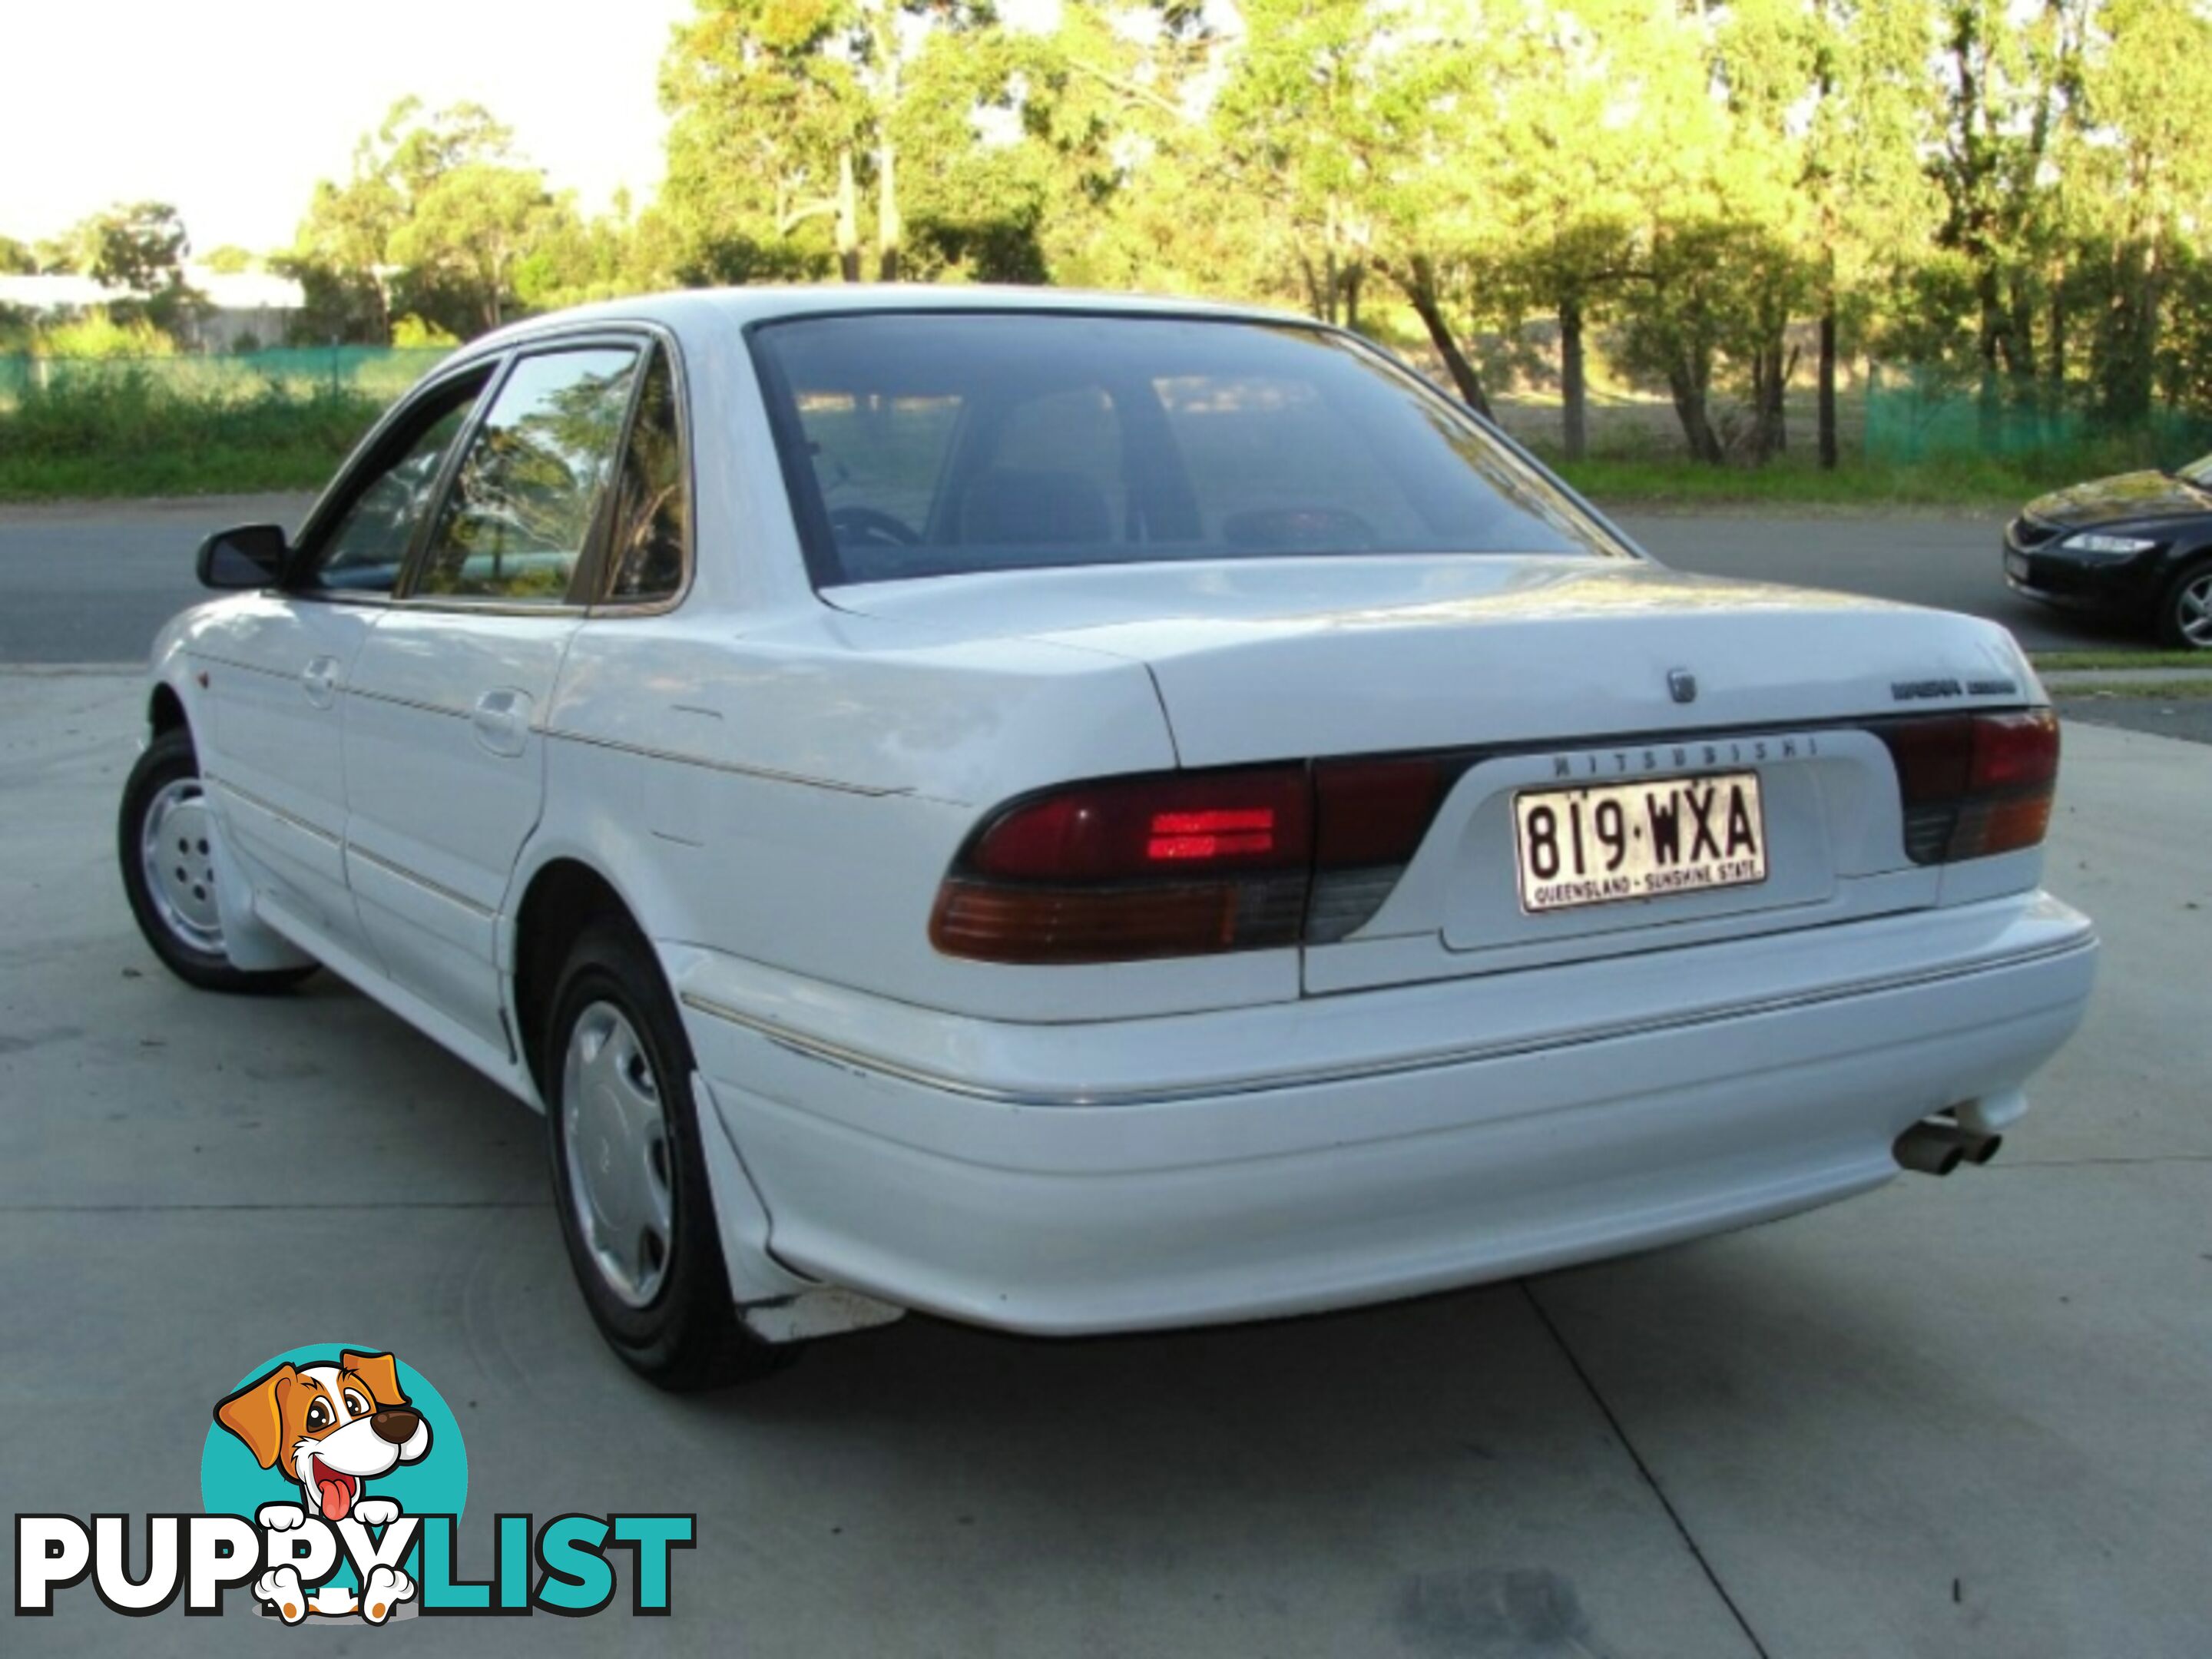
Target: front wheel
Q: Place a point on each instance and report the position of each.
(629, 1176)
(2184, 615)
(165, 841)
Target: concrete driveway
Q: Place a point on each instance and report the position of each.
(1965, 1418)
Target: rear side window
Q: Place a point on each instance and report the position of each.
(653, 507)
(529, 490)
(942, 444)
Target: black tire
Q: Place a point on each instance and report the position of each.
(686, 1336)
(2172, 624)
(168, 766)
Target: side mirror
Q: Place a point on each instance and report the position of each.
(252, 556)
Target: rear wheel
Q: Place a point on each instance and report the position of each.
(2184, 615)
(165, 837)
(629, 1176)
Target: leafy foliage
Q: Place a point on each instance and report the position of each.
(1695, 202)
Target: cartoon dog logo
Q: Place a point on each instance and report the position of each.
(329, 1428)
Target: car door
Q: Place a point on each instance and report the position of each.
(443, 727)
(275, 664)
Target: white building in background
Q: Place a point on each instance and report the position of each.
(250, 307)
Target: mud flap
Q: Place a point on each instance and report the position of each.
(252, 945)
(775, 1304)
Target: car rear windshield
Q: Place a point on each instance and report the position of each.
(936, 444)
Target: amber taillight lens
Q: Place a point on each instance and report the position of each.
(1187, 863)
(1974, 785)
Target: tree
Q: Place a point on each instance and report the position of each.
(17, 258)
(1581, 102)
(137, 251)
(1300, 122)
(140, 247)
(437, 221)
(784, 111)
(2006, 95)
(467, 233)
(2147, 174)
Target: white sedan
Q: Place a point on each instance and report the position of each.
(1081, 814)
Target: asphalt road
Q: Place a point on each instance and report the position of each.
(1963, 1418)
(93, 583)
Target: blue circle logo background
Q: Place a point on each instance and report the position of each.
(232, 1483)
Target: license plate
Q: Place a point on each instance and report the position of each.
(2016, 566)
(1638, 841)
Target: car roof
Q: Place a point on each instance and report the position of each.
(708, 311)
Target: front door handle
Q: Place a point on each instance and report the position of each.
(502, 719)
(320, 680)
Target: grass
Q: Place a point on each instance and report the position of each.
(1965, 482)
(128, 436)
(2139, 690)
(2087, 661)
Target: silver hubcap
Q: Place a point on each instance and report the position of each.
(2195, 611)
(176, 844)
(616, 1137)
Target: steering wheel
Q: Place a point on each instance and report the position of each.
(868, 527)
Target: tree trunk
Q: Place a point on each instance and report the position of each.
(1574, 386)
(888, 231)
(2054, 365)
(1316, 306)
(1419, 282)
(1688, 386)
(848, 219)
(1771, 367)
(1829, 450)
(1353, 276)
(1990, 413)
(2020, 338)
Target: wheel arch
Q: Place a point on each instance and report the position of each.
(564, 896)
(165, 710)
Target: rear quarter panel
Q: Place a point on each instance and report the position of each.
(793, 795)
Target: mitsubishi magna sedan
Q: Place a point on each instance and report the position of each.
(1085, 815)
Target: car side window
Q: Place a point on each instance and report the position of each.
(528, 494)
(653, 507)
(365, 550)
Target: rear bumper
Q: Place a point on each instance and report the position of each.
(1262, 1162)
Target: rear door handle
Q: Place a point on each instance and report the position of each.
(320, 680)
(502, 719)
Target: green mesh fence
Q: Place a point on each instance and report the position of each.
(380, 373)
(1916, 415)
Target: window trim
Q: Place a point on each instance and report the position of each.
(404, 596)
(817, 543)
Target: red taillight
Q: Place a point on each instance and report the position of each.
(1211, 834)
(2012, 752)
(1130, 827)
(1187, 863)
(1181, 864)
(1973, 785)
